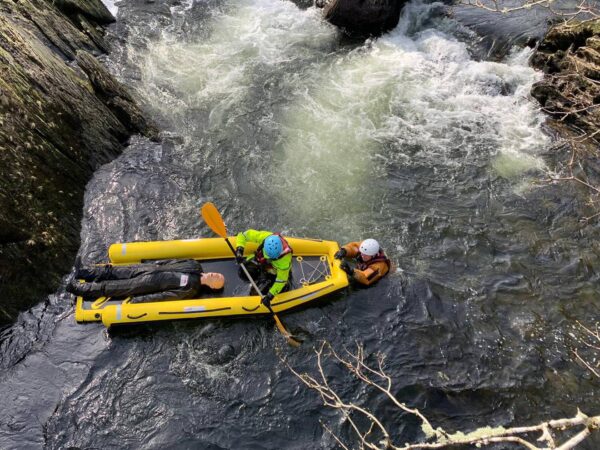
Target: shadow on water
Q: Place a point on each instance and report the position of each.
(415, 139)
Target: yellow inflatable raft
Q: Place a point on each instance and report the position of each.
(315, 273)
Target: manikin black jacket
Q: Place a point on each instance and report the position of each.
(147, 282)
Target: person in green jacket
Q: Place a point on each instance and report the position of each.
(271, 264)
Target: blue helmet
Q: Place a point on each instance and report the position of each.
(273, 247)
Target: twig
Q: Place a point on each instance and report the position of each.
(324, 425)
(585, 363)
(580, 10)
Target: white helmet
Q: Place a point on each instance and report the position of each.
(369, 247)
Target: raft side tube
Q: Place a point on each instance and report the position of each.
(216, 307)
(205, 248)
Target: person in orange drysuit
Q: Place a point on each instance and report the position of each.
(371, 262)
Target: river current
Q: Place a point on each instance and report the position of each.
(270, 113)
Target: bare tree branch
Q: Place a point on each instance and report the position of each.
(588, 10)
(376, 436)
(585, 363)
(590, 339)
(341, 444)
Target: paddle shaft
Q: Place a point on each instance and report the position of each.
(282, 328)
(291, 340)
(242, 265)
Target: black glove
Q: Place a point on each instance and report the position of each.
(73, 287)
(239, 255)
(341, 253)
(267, 300)
(346, 268)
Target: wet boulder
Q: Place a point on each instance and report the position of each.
(363, 18)
(114, 95)
(304, 4)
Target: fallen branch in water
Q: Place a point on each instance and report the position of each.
(576, 162)
(588, 339)
(585, 8)
(376, 436)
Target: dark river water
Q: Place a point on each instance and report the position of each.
(413, 139)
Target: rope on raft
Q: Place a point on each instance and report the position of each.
(318, 271)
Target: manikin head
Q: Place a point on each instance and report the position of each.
(212, 280)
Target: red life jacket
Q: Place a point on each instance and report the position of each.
(263, 260)
(363, 265)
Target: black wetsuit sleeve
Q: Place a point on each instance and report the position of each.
(179, 265)
(110, 272)
(151, 283)
(174, 294)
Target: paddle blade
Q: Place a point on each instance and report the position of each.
(213, 219)
(291, 340)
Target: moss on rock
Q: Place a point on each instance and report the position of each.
(569, 55)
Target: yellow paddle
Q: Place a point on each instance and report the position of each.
(215, 222)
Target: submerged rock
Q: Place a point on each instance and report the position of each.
(61, 116)
(363, 17)
(569, 55)
(497, 33)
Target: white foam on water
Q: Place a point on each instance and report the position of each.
(182, 8)
(399, 93)
(110, 4)
(216, 72)
(414, 97)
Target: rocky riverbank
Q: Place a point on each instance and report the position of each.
(569, 55)
(61, 116)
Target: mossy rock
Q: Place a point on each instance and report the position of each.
(563, 37)
(58, 123)
(570, 57)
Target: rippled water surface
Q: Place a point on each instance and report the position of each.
(270, 113)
